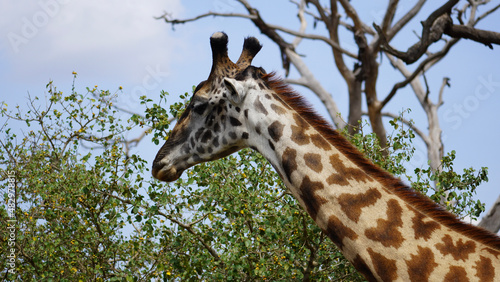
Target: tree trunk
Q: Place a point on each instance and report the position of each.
(435, 145)
(355, 112)
(491, 221)
(315, 86)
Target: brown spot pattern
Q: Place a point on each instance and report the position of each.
(385, 268)
(387, 231)
(484, 269)
(289, 162)
(300, 122)
(460, 250)
(456, 274)
(257, 129)
(320, 142)
(423, 229)
(312, 201)
(421, 265)
(337, 178)
(351, 204)
(259, 107)
(343, 173)
(271, 145)
(493, 252)
(277, 109)
(313, 161)
(299, 135)
(337, 231)
(291, 100)
(363, 268)
(275, 130)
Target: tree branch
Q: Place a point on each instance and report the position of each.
(328, 41)
(271, 33)
(410, 124)
(298, 81)
(404, 20)
(308, 80)
(187, 227)
(432, 30)
(389, 15)
(439, 23)
(351, 13)
(332, 24)
(288, 53)
(432, 59)
(485, 14)
(312, 256)
(491, 221)
(446, 82)
(433, 138)
(173, 22)
(303, 22)
(478, 35)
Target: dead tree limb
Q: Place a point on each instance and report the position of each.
(482, 36)
(432, 30)
(491, 221)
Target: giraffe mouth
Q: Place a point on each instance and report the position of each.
(164, 173)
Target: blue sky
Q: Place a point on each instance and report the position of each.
(119, 43)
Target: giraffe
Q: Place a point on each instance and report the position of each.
(384, 228)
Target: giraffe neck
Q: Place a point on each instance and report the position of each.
(384, 228)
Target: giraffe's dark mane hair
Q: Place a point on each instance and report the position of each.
(418, 201)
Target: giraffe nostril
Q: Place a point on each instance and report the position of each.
(167, 174)
(156, 170)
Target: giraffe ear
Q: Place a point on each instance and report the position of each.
(236, 90)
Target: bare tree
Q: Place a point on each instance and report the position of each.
(491, 221)
(372, 40)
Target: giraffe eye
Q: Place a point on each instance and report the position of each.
(200, 109)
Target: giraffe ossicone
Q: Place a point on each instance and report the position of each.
(387, 230)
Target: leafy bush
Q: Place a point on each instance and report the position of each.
(87, 208)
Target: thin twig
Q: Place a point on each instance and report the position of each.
(303, 23)
(423, 65)
(166, 16)
(427, 91)
(446, 82)
(389, 15)
(432, 30)
(331, 43)
(410, 124)
(485, 14)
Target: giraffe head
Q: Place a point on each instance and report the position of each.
(211, 126)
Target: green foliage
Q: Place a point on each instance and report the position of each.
(69, 224)
(87, 208)
(398, 152)
(453, 190)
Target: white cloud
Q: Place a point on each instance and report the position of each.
(115, 38)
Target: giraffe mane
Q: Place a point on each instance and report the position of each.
(394, 185)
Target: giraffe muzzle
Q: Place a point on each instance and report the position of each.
(165, 173)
